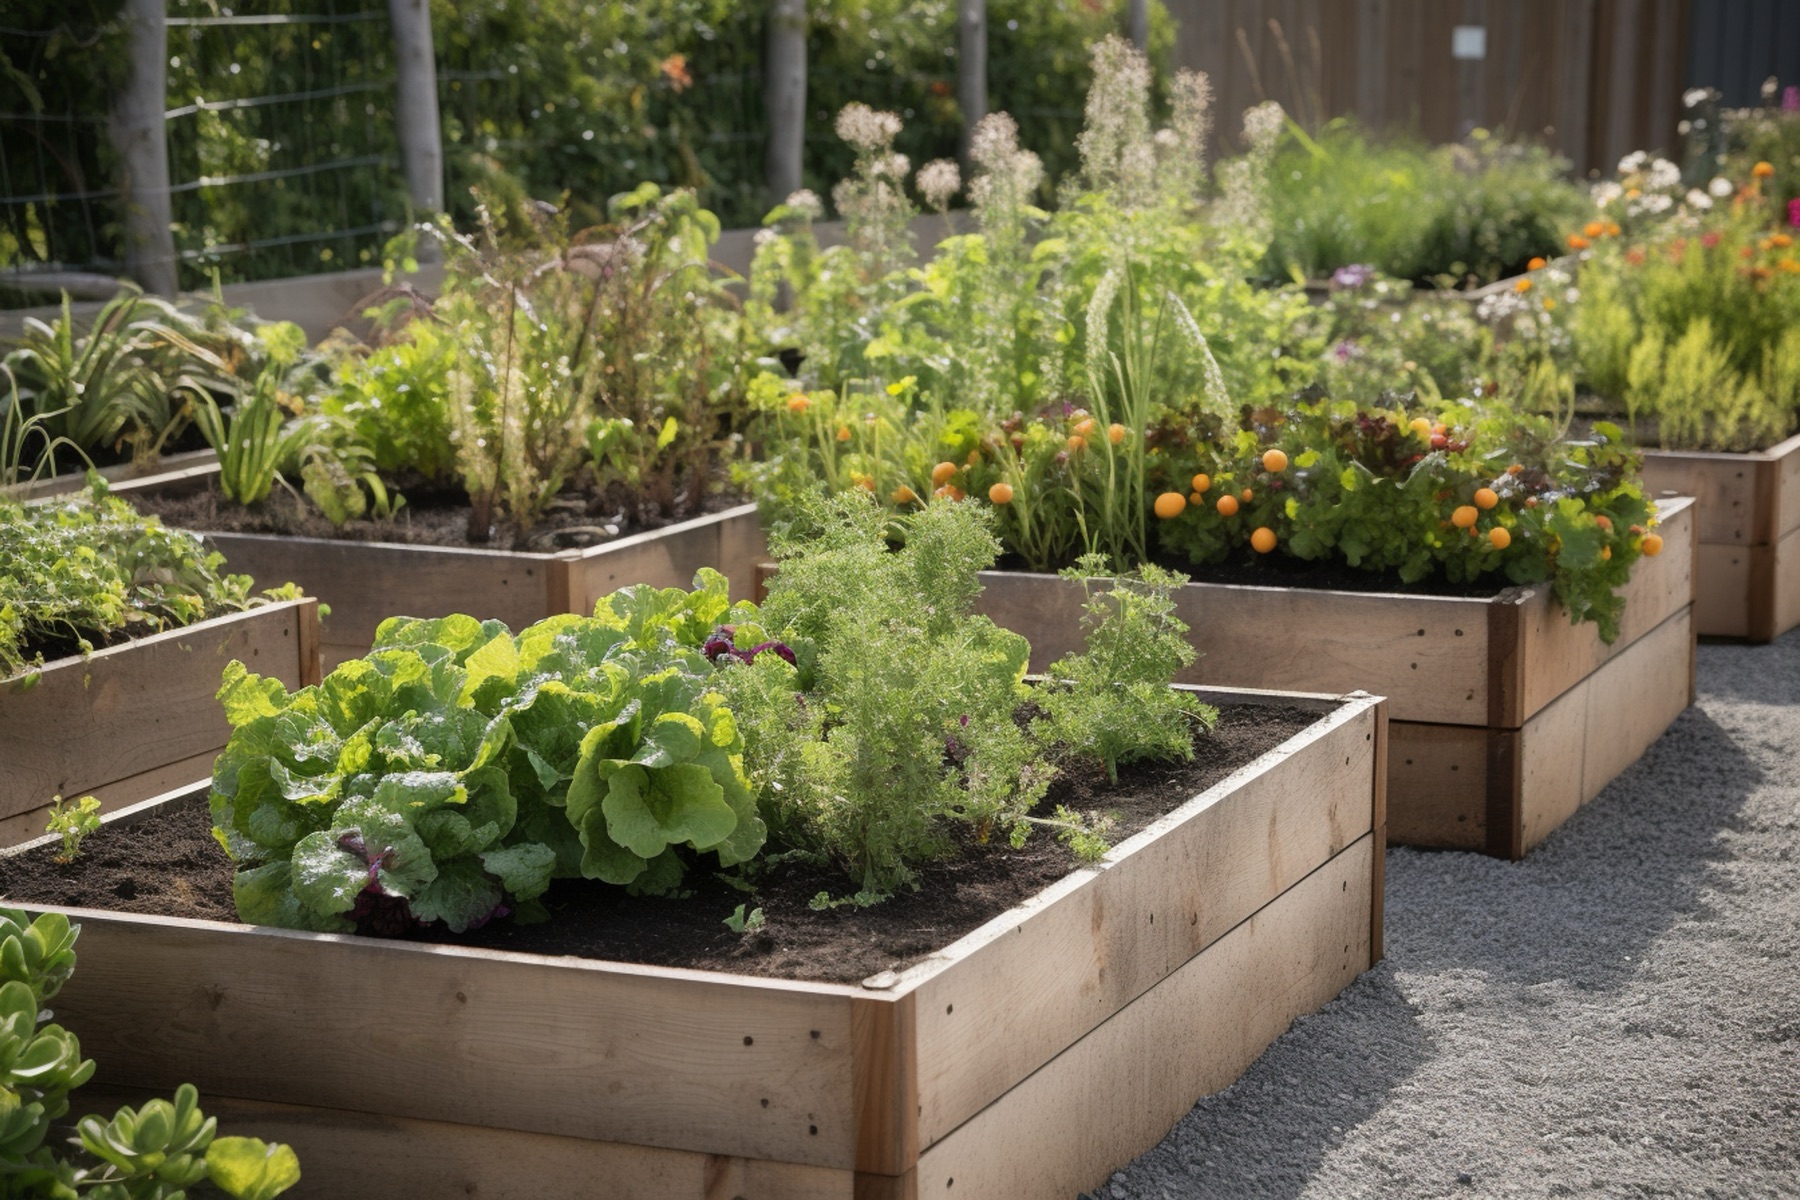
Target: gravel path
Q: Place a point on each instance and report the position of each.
(1619, 1015)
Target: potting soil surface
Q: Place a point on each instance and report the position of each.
(170, 865)
(1618, 1015)
(428, 518)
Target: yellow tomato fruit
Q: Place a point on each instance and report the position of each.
(1421, 426)
(1263, 540)
(1201, 482)
(798, 403)
(1275, 461)
(1076, 442)
(1115, 433)
(1085, 426)
(1170, 504)
(943, 473)
(1499, 539)
(1001, 493)
(1227, 506)
(903, 495)
(1652, 544)
(1486, 497)
(1464, 516)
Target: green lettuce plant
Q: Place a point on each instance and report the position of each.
(453, 772)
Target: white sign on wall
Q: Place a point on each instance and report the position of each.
(1468, 41)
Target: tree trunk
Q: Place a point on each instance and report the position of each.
(416, 105)
(971, 67)
(141, 142)
(784, 91)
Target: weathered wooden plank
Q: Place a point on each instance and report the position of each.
(374, 1156)
(676, 1059)
(1067, 960)
(1578, 745)
(123, 473)
(1722, 590)
(1725, 487)
(1558, 655)
(730, 542)
(1117, 1091)
(1426, 654)
(1787, 487)
(23, 827)
(1786, 574)
(89, 725)
(1437, 785)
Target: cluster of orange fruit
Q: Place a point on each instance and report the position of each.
(1170, 505)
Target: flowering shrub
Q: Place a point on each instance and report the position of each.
(1694, 331)
(1463, 491)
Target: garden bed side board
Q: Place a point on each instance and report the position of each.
(364, 583)
(133, 720)
(1030, 1057)
(124, 473)
(1749, 535)
(1505, 717)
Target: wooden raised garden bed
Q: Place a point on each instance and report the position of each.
(1029, 1058)
(1506, 718)
(136, 719)
(1749, 535)
(62, 485)
(364, 583)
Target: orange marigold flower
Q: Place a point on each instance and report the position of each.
(1537, 263)
(798, 403)
(1763, 170)
(1577, 242)
(1612, 229)
(1782, 240)
(674, 69)
(1593, 229)
(1524, 285)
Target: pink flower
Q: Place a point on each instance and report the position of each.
(1794, 212)
(1790, 99)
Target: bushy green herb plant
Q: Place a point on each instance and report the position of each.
(87, 569)
(1469, 212)
(1112, 700)
(73, 822)
(154, 1152)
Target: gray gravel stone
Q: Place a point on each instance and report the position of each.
(1617, 1015)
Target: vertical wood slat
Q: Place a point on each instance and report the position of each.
(1596, 78)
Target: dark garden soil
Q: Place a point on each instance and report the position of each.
(1271, 570)
(430, 517)
(169, 865)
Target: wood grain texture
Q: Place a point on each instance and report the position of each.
(1067, 960)
(1437, 785)
(1502, 791)
(62, 485)
(1725, 488)
(677, 1059)
(1576, 747)
(374, 1156)
(115, 796)
(1786, 572)
(1558, 655)
(1787, 459)
(136, 710)
(1426, 654)
(1118, 1091)
(1722, 590)
(364, 583)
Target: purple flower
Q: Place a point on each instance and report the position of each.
(1351, 277)
(1790, 99)
(1794, 212)
(1345, 350)
(779, 648)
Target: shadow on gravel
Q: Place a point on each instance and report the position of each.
(1759, 674)
(1588, 902)
(1267, 1134)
